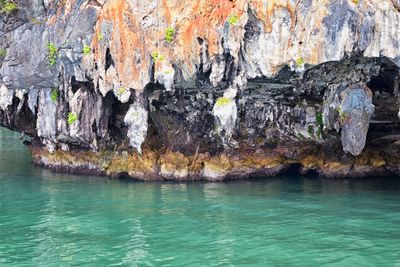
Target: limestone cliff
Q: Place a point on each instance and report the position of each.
(204, 89)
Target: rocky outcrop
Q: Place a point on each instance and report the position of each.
(204, 89)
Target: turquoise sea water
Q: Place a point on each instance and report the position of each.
(49, 219)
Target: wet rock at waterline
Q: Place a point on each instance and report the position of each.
(147, 89)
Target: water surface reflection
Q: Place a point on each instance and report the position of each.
(48, 218)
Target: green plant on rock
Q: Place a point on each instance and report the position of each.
(310, 130)
(52, 54)
(100, 36)
(54, 95)
(355, 2)
(86, 50)
(169, 34)
(169, 71)
(319, 119)
(342, 114)
(3, 53)
(121, 91)
(72, 118)
(299, 62)
(36, 21)
(7, 6)
(157, 56)
(223, 101)
(232, 20)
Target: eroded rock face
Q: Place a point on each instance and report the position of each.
(225, 113)
(356, 110)
(46, 117)
(136, 120)
(204, 89)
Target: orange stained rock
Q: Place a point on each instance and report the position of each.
(126, 39)
(64, 7)
(311, 48)
(205, 19)
(264, 10)
(167, 13)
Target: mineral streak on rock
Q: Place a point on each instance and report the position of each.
(225, 112)
(208, 89)
(136, 120)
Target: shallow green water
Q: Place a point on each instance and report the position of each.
(48, 219)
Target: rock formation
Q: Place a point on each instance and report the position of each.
(204, 89)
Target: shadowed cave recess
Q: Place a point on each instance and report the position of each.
(288, 123)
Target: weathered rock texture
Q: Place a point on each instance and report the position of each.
(204, 89)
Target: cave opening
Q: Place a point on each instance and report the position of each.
(22, 120)
(386, 79)
(109, 59)
(118, 130)
(384, 122)
(296, 169)
(152, 93)
(84, 85)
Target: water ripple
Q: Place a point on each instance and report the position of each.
(48, 219)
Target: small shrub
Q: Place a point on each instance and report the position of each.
(7, 7)
(167, 72)
(320, 120)
(169, 34)
(121, 91)
(355, 2)
(52, 54)
(36, 21)
(86, 50)
(232, 20)
(300, 62)
(100, 36)
(72, 118)
(222, 101)
(342, 114)
(155, 55)
(3, 53)
(310, 130)
(54, 95)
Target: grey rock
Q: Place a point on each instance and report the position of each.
(357, 108)
(277, 74)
